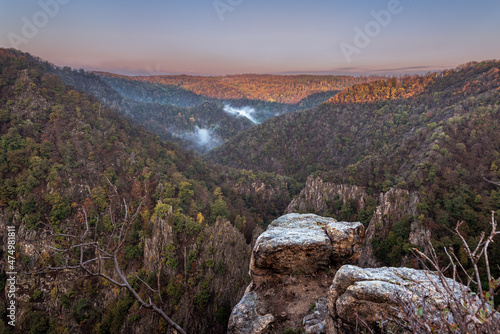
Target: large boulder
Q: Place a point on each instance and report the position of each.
(347, 241)
(292, 266)
(305, 243)
(376, 294)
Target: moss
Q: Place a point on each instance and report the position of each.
(220, 267)
(37, 294)
(68, 297)
(114, 317)
(174, 290)
(209, 263)
(290, 330)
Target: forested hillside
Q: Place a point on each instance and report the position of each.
(436, 134)
(187, 110)
(289, 89)
(196, 123)
(65, 157)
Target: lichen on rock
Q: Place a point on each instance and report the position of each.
(245, 319)
(292, 266)
(379, 294)
(305, 243)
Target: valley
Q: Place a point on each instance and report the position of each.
(204, 112)
(177, 176)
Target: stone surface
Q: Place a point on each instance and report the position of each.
(347, 241)
(377, 293)
(392, 206)
(303, 243)
(291, 243)
(245, 319)
(317, 193)
(315, 323)
(292, 267)
(162, 234)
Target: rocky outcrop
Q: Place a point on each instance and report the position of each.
(161, 235)
(315, 323)
(347, 241)
(317, 193)
(266, 191)
(376, 294)
(226, 257)
(304, 243)
(295, 285)
(291, 267)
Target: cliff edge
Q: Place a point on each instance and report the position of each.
(304, 281)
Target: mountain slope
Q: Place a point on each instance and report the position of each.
(377, 118)
(63, 154)
(195, 116)
(287, 89)
(435, 134)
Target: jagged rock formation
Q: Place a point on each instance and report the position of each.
(265, 191)
(392, 206)
(245, 319)
(161, 235)
(317, 193)
(291, 269)
(226, 256)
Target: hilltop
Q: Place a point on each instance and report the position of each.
(288, 89)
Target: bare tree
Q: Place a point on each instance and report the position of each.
(492, 182)
(91, 252)
(466, 312)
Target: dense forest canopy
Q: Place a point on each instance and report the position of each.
(201, 119)
(435, 134)
(288, 89)
(62, 152)
(73, 142)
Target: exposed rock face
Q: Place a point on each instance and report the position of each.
(291, 270)
(266, 192)
(316, 193)
(311, 302)
(347, 241)
(297, 243)
(392, 206)
(245, 319)
(291, 243)
(377, 293)
(162, 234)
(227, 249)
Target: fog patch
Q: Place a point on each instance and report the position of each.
(246, 112)
(201, 139)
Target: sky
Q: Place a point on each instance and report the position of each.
(216, 37)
